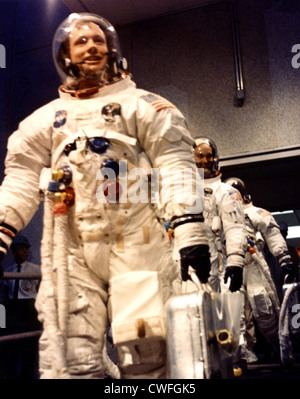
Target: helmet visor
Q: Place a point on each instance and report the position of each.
(86, 51)
(206, 156)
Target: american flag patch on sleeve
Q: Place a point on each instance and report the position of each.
(157, 102)
(263, 212)
(235, 195)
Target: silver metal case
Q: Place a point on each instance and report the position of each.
(193, 344)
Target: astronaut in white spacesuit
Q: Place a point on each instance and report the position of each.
(224, 217)
(105, 254)
(223, 214)
(261, 291)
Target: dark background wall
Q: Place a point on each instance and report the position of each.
(187, 57)
(29, 79)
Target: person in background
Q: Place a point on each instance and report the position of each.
(294, 332)
(284, 228)
(20, 358)
(21, 289)
(274, 264)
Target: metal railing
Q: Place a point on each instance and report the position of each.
(21, 276)
(19, 336)
(23, 335)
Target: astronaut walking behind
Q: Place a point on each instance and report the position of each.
(224, 217)
(98, 242)
(264, 304)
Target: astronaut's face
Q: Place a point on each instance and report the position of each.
(203, 155)
(88, 49)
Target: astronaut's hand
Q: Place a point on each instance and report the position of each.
(286, 264)
(288, 273)
(235, 273)
(196, 256)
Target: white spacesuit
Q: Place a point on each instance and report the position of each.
(261, 291)
(224, 217)
(105, 254)
(223, 214)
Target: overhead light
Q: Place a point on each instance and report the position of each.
(293, 232)
(282, 213)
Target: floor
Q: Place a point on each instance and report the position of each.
(265, 369)
(273, 370)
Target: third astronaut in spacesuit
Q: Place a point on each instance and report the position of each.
(260, 288)
(104, 258)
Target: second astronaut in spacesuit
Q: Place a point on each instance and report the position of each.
(224, 218)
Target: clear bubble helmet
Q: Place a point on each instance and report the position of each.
(213, 164)
(86, 52)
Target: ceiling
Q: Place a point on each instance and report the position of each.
(122, 12)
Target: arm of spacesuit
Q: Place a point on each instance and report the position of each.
(266, 224)
(234, 228)
(169, 147)
(168, 144)
(27, 152)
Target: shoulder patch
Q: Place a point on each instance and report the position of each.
(60, 118)
(263, 212)
(157, 102)
(235, 195)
